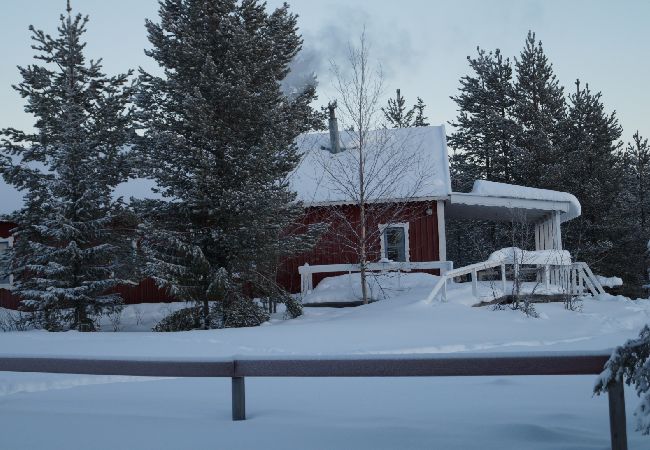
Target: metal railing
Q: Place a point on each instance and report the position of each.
(499, 364)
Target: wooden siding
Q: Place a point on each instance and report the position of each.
(334, 248)
(5, 229)
(144, 292)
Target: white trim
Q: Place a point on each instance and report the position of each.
(10, 240)
(405, 226)
(442, 233)
(509, 202)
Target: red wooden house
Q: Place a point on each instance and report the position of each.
(408, 198)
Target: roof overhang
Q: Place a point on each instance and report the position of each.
(502, 209)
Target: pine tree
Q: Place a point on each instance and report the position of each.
(70, 248)
(590, 168)
(220, 143)
(539, 109)
(420, 119)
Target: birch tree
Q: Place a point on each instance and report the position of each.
(372, 163)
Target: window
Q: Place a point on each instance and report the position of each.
(4, 246)
(395, 242)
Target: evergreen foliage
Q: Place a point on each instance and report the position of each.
(631, 363)
(219, 142)
(539, 110)
(515, 125)
(398, 116)
(484, 144)
(633, 209)
(71, 245)
(396, 113)
(486, 130)
(420, 119)
(186, 319)
(589, 166)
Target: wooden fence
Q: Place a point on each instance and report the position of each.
(501, 364)
(306, 271)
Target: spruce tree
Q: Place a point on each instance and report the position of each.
(420, 119)
(590, 168)
(633, 213)
(485, 129)
(396, 113)
(539, 110)
(70, 245)
(219, 141)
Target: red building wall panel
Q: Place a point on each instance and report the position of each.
(335, 245)
(5, 229)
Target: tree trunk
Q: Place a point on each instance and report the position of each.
(206, 315)
(362, 254)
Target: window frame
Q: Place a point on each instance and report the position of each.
(382, 239)
(10, 241)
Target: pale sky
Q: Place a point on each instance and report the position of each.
(422, 45)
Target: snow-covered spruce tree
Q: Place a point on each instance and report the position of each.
(591, 169)
(631, 363)
(539, 110)
(219, 141)
(71, 244)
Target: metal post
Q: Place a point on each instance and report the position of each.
(617, 424)
(238, 399)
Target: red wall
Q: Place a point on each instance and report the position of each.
(145, 292)
(5, 229)
(333, 248)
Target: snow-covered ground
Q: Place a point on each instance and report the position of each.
(84, 412)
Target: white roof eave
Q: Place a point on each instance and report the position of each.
(513, 203)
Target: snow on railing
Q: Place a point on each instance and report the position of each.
(557, 270)
(307, 280)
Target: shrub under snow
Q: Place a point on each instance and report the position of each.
(631, 362)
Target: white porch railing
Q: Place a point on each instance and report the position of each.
(307, 280)
(572, 278)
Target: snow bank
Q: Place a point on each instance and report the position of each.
(511, 255)
(347, 288)
(493, 189)
(609, 281)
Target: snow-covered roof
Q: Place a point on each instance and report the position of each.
(497, 201)
(493, 189)
(405, 163)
